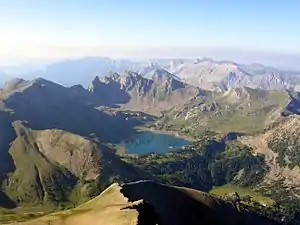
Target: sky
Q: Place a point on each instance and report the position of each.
(48, 29)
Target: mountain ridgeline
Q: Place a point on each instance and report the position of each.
(205, 73)
(150, 203)
(152, 93)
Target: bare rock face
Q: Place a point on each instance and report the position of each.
(155, 91)
(79, 155)
(212, 75)
(205, 73)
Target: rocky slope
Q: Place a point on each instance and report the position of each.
(156, 91)
(213, 75)
(280, 145)
(241, 110)
(150, 203)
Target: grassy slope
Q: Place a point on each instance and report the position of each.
(104, 209)
(48, 177)
(62, 169)
(108, 207)
(24, 213)
(242, 191)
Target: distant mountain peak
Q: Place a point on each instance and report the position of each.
(159, 74)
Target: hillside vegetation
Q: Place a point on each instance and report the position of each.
(205, 164)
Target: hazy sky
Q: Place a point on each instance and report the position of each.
(62, 28)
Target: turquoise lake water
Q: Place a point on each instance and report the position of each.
(146, 142)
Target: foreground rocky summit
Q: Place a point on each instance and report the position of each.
(146, 202)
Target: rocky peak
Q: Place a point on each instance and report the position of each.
(159, 74)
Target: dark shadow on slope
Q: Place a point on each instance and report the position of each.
(294, 105)
(116, 170)
(6, 202)
(111, 94)
(147, 214)
(188, 207)
(7, 135)
(89, 98)
(292, 108)
(45, 108)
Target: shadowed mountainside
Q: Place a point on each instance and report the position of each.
(149, 203)
(46, 105)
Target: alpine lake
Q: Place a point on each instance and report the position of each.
(147, 142)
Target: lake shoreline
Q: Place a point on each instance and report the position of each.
(167, 132)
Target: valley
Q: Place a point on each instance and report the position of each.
(155, 112)
(74, 142)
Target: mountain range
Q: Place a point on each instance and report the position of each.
(204, 73)
(243, 121)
